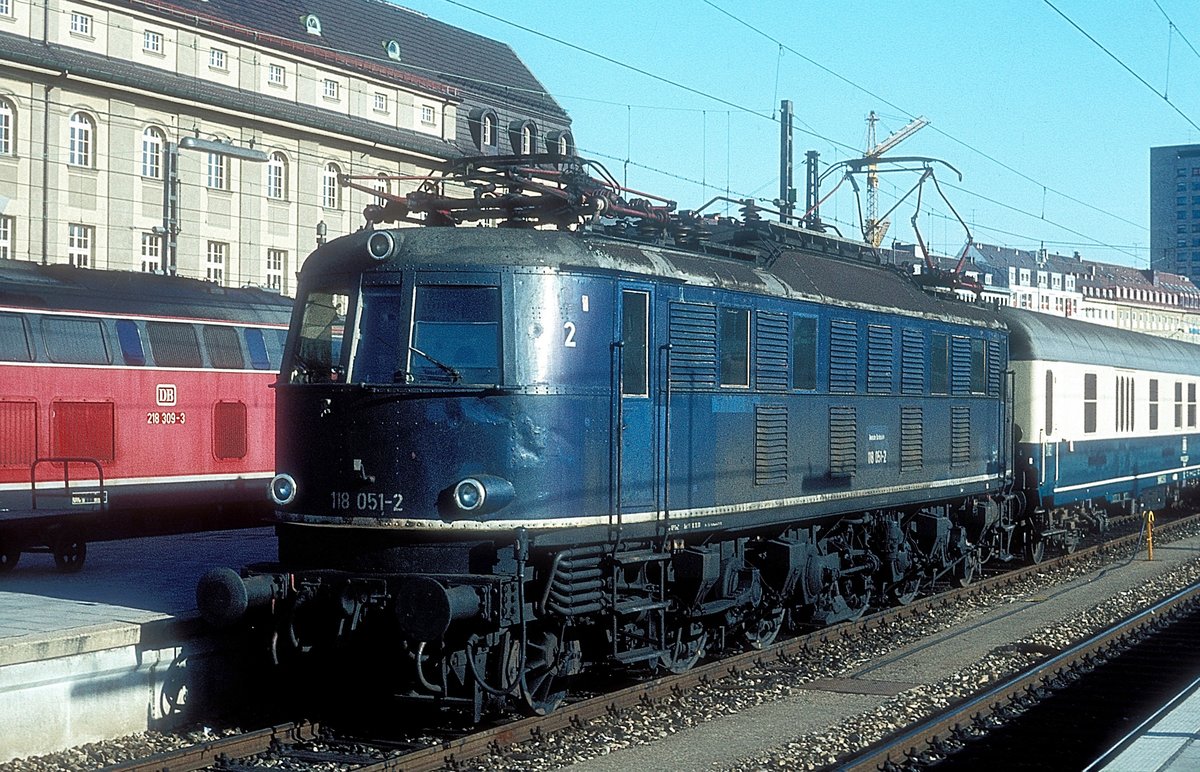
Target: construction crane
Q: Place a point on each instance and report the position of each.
(873, 231)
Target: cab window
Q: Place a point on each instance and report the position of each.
(455, 335)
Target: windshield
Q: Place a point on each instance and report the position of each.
(456, 335)
(319, 350)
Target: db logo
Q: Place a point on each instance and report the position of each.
(165, 394)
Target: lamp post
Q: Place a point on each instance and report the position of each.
(170, 228)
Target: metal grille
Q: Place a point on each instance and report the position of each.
(843, 442)
(912, 439)
(229, 430)
(880, 355)
(771, 351)
(912, 362)
(993, 368)
(770, 445)
(693, 345)
(960, 365)
(843, 356)
(82, 429)
(960, 436)
(18, 433)
(223, 349)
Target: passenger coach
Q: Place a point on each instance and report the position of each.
(130, 403)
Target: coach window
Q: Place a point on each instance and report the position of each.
(1089, 403)
(1178, 405)
(734, 341)
(1153, 404)
(1191, 406)
(75, 340)
(256, 346)
(130, 339)
(635, 314)
(455, 335)
(223, 350)
(14, 341)
(173, 344)
(804, 352)
(939, 364)
(1049, 403)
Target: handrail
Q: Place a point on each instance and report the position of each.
(66, 461)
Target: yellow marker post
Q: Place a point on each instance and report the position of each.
(1150, 533)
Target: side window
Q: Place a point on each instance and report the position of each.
(733, 341)
(635, 333)
(804, 352)
(1153, 404)
(256, 346)
(1178, 405)
(130, 339)
(173, 344)
(1191, 406)
(939, 364)
(223, 349)
(75, 340)
(1049, 403)
(1089, 403)
(14, 340)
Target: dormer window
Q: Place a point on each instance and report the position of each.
(560, 143)
(312, 25)
(523, 136)
(393, 50)
(482, 122)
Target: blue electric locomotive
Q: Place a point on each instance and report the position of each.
(508, 453)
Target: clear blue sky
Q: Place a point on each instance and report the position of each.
(1003, 83)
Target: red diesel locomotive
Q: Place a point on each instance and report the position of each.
(131, 403)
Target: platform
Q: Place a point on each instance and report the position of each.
(1169, 741)
(115, 648)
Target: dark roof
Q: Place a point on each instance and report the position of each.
(84, 63)
(1046, 338)
(484, 72)
(792, 273)
(65, 288)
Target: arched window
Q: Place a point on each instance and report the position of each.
(331, 192)
(526, 139)
(82, 132)
(152, 149)
(277, 176)
(523, 137)
(8, 127)
(560, 143)
(487, 133)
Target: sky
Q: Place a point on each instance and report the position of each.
(1050, 133)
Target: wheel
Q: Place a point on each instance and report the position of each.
(1035, 551)
(685, 647)
(69, 553)
(905, 591)
(967, 569)
(550, 660)
(763, 627)
(8, 557)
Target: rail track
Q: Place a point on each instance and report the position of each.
(295, 740)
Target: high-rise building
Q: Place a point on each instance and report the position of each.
(1175, 210)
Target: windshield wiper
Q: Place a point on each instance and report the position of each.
(455, 375)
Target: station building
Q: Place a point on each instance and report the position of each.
(1151, 300)
(206, 137)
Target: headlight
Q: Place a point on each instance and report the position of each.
(380, 245)
(469, 495)
(477, 495)
(283, 489)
